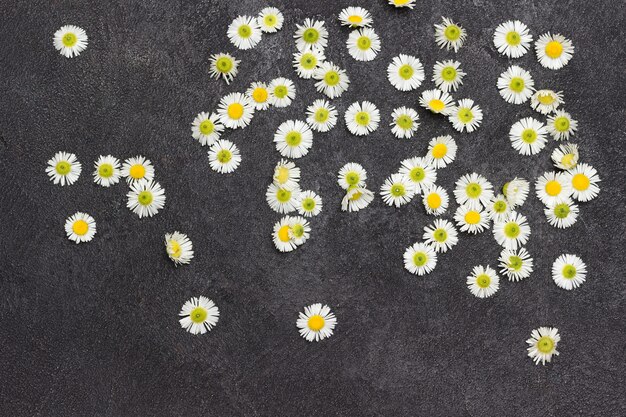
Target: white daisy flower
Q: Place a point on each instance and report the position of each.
(270, 20)
(286, 174)
(484, 282)
(449, 35)
(397, 190)
(498, 208)
(224, 156)
(351, 175)
(199, 315)
(441, 235)
(356, 198)
(516, 264)
(435, 200)
(259, 95)
(283, 240)
(405, 72)
(299, 229)
(448, 75)
(70, 40)
(355, 17)
(145, 198)
(543, 343)
(512, 232)
(362, 118)
(224, 66)
(565, 156)
(561, 125)
(179, 248)
(512, 38)
(584, 181)
(466, 116)
(553, 51)
(80, 227)
(281, 92)
(293, 139)
(437, 101)
(311, 35)
(561, 213)
(552, 186)
(321, 115)
(473, 190)
(363, 44)
(569, 271)
(516, 191)
(405, 122)
(137, 169)
(64, 168)
(471, 220)
(402, 3)
(307, 62)
(244, 32)
(420, 172)
(332, 80)
(528, 136)
(235, 111)
(107, 171)
(516, 85)
(309, 204)
(441, 151)
(420, 258)
(546, 101)
(316, 323)
(206, 128)
(282, 199)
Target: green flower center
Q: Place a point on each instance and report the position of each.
(280, 91)
(483, 280)
(473, 190)
(293, 138)
(561, 211)
(440, 235)
(105, 170)
(297, 230)
(406, 71)
(417, 174)
(513, 38)
(308, 204)
(517, 84)
(144, 198)
(364, 43)
(244, 31)
(269, 20)
(448, 74)
(512, 230)
(420, 258)
(224, 64)
(569, 271)
(561, 124)
(545, 344)
(352, 178)
(224, 156)
(321, 115)
(69, 40)
(499, 206)
(515, 263)
(404, 122)
(465, 115)
(311, 35)
(452, 32)
(283, 195)
(398, 190)
(207, 127)
(331, 78)
(362, 118)
(198, 315)
(308, 61)
(529, 135)
(63, 167)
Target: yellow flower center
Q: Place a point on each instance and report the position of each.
(483, 280)
(175, 249)
(568, 160)
(472, 217)
(433, 200)
(355, 19)
(282, 176)
(105, 170)
(580, 182)
(235, 111)
(554, 49)
(283, 234)
(137, 171)
(198, 315)
(316, 323)
(259, 95)
(545, 344)
(439, 150)
(206, 127)
(80, 227)
(69, 40)
(546, 98)
(553, 188)
(436, 105)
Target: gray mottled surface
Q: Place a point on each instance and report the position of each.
(92, 330)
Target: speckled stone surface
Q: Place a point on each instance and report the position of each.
(92, 330)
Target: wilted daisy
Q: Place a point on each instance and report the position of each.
(473, 190)
(259, 95)
(584, 181)
(351, 175)
(309, 203)
(282, 199)
(179, 248)
(553, 51)
(448, 75)
(311, 35)
(137, 169)
(441, 151)
(437, 101)
(356, 198)
(512, 39)
(471, 220)
(528, 136)
(70, 40)
(363, 44)
(420, 258)
(316, 323)
(483, 282)
(552, 186)
(569, 271)
(565, 156)
(299, 229)
(420, 172)
(516, 264)
(283, 240)
(561, 125)
(435, 200)
(270, 20)
(561, 213)
(199, 315)
(286, 174)
(224, 156)
(441, 235)
(449, 35)
(235, 110)
(80, 227)
(397, 190)
(145, 198)
(498, 208)
(402, 3)
(405, 72)
(206, 128)
(224, 65)
(64, 168)
(321, 115)
(516, 191)
(107, 171)
(293, 139)
(466, 115)
(362, 118)
(546, 101)
(307, 62)
(543, 343)
(512, 232)
(516, 85)
(244, 32)
(355, 17)
(332, 80)
(281, 92)
(405, 122)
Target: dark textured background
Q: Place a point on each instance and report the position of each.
(92, 330)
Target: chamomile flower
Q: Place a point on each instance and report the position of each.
(299, 229)
(553, 51)
(259, 95)
(179, 248)
(466, 116)
(435, 200)
(512, 39)
(528, 136)
(286, 174)
(561, 213)
(483, 282)
(107, 171)
(281, 92)
(448, 75)
(362, 118)
(584, 181)
(224, 156)
(473, 190)
(516, 85)
(561, 125)
(307, 62)
(552, 186)
(516, 264)
(321, 115)
(420, 258)
(449, 35)
(224, 66)
(206, 128)
(356, 198)
(332, 80)
(437, 101)
(64, 168)
(199, 315)
(498, 208)
(420, 172)
(565, 156)
(283, 240)
(270, 20)
(311, 35)
(244, 32)
(363, 44)
(471, 220)
(316, 323)
(405, 122)
(70, 41)
(137, 169)
(293, 139)
(282, 199)
(516, 191)
(80, 227)
(402, 3)
(543, 342)
(397, 190)
(546, 101)
(351, 175)
(309, 204)
(441, 235)
(441, 151)
(145, 198)
(235, 110)
(512, 232)
(405, 72)
(355, 17)
(569, 271)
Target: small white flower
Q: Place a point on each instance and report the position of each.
(420, 172)
(286, 174)
(553, 51)
(145, 198)
(363, 44)
(569, 271)
(80, 227)
(528, 136)
(206, 128)
(311, 35)
(235, 110)
(473, 190)
(316, 323)
(356, 198)
(441, 235)
(584, 180)
(471, 220)
(309, 204)
(293, 139)
(64, 168)
(355, 17)
(405, 122)
(552, 186)
(199, 315)
(466, 116)
(137, 169)
(516, 264)
(543, 342)
(435, 200)
(332, 80)
(516, 85)
(259, 95)
(512, 38)
(70, 41)
(107, 171)
(420, 259)
(224, 156)
(281, 92)
(565, 156)
(321, 115)
(448, 75)
(282, 199)
(437, 101)
(299, 229)
(512, 232)
(405, 72)
(351, 175)
(498, 208)
(516, 191)
(179, 248)
(483, 282)
(561, 125)
(397, 190)
(224, 66)
(270, 20)
(441, 151)
(283, 240)
(546, 101)
(362, 118)
(307, 62)
(244, 32)
(449, 35)
(561, 213)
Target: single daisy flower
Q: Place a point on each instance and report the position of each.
(316, 323)
(270, 20)
(584, 181)
(565, 156)
(512, 232)
(405, 122)
(435, 200)
(420, 258)
(569, 271)
(516, 264)
(80, 227)
(466, 116)
(311, 35)
(402, 3)
(351, 175)
(405, 72)
(235, 110)
(70, 41)
(179, 248)
(546, 101)
(516, 191)
(206, 128)
(363, 44)
(293, 139)
(498, 208)
(224, 156)
(356, 198)
(553, 51)
(282, 199)
(107, 171)
(512, 38)
(244, 32)
(137, 169)
(449, 35)
(64, 168)
(561, 213)
(145, 198)
(332, 80)
(473, 190)
(362, 118)
(441, 151)
(321, 115)
(437, 101)
(224, 66)
(309, 204)
(286, 174)
(543, 343)
(528, 136)
(561, 125)
(552, 186)
(283, 240)
(281, 92)
(471, 220)
(199, 315)
(299, 229)
(483, 282)
(259, 95)
(397, 190)
(420, 172)
(516, 85)
(355, 17)
(441, 235)
(448, 75)
(307, 62)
